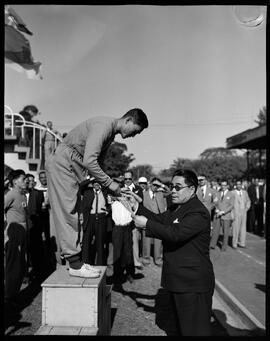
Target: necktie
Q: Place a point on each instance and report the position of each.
(240, 193)
(96, 194)
(202, 193)
(222, 195)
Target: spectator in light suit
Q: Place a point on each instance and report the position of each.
(205, 193)
(241, 206)
(224, 203)
(154, 201)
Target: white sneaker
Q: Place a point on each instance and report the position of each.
(90, 267)
(83, 272)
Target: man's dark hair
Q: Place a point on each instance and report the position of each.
(138, 116)
(25, 115)
(155, 179)
(31, 107)
(189, 176)
(29, 175)
(41, 172)
(15, 174)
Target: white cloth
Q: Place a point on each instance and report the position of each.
(120, 215)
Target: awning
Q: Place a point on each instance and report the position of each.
(249, 139)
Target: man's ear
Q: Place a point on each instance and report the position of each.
(129, 119)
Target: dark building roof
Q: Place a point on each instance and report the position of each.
(249, 139)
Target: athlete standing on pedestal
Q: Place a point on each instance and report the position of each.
(81, 152)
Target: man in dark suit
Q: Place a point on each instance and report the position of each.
(35, 199)
(251, 212)
(187, 271)
(94, 210)
(255, 213)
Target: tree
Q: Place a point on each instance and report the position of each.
(181, 163)
(221, 152)
(116, 162)
(216, 164)
(261, 117)
(143, 170)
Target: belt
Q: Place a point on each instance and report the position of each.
(77, 159)
(97, 213)
(74, 150)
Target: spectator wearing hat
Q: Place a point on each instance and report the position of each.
(143, 183)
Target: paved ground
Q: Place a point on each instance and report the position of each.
(143, 308)
(242, 271)
(140, 308)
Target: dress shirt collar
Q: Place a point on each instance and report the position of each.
(151, 193)
(131, 186)
(203, 188)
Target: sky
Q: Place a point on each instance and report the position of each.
(196, 71)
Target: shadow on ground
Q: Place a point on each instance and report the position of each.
(232, 331)
(12, 310)
(261, 287)
(166, 316)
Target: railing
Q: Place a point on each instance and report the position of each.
(16, 125)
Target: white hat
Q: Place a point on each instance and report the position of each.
(142, 180)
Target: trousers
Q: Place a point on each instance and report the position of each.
(94, 241)
(225, 225)
(147, 248)
(15, 260)
(239, 228)
(63, 178)
(122, 250)
(193, 311)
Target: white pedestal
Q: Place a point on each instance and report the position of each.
(74, 305)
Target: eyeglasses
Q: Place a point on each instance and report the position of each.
(156, 185)
(128, 178)
(177, 187)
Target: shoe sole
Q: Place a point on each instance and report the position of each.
(78, 275)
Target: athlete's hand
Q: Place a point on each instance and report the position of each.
(114, 187)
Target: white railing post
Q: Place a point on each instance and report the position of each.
(12, 125)
(34, 142)
(22, 125)
(40, 145)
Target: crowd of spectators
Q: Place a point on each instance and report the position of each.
(108, 235)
